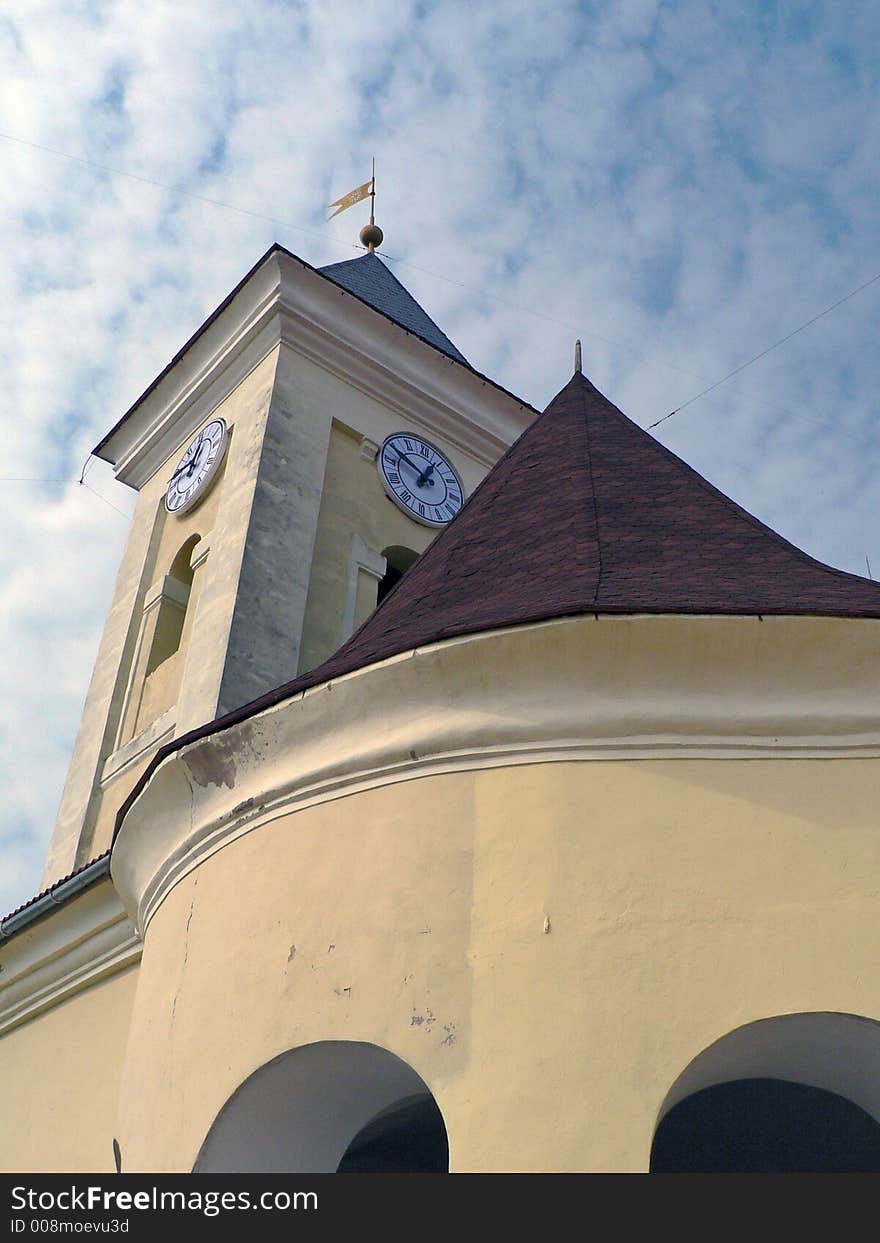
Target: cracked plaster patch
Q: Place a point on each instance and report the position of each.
(214, 760)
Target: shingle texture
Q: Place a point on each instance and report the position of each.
(368, 278)
(56, 885)
(585, 513)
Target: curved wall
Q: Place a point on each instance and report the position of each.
(547, 944)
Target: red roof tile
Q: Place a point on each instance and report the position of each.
(55, 886)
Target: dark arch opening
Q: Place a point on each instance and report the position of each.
(766, 1126)
(172, 610)
(407, 1138)
(333, 1106)
(397, 560)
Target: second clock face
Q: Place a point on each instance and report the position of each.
(196, 468)
(419, 479)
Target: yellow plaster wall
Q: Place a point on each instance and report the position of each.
(353, 503)
(61, 1082)
(547, 945)
(170, 533)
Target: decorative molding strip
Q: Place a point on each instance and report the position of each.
(369, 449)
(156, 733)
(579, 689)
(364, 559)
(80, 943)
(284, 302)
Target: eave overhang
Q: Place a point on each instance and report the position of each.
(283, 300)
(576, 689)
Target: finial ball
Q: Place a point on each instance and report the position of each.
(371, 236)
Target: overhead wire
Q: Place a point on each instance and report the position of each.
(190, 194)
(325, 236)
(764, 353)
(329, 237)
(69, 482)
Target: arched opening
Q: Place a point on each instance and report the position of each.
(335, 1106)
(172, 607)
(406, 1138)
(795, 1093)
(398, 560)
(765, 1126)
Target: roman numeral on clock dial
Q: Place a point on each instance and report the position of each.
(419, 479)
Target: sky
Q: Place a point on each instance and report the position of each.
(680, 185)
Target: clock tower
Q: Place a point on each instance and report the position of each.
(558, 860)
(267, 522)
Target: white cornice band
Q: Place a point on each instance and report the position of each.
(73, 948)
(284, 302)
(579, 689)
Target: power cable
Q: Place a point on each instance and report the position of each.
(190, 194)
(435, 275)
(69, 483)
(764, 353)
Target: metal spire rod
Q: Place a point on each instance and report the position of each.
(371, 235)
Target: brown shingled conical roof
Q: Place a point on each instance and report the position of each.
(585, 513)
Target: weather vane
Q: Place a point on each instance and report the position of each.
(371, 235)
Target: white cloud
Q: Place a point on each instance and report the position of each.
(678, 186)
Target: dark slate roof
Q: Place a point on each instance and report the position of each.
(368, 279)
(585, 513)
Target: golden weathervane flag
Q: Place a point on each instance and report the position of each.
(353, 196)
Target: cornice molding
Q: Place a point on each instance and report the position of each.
(132, 752)
(284, 302)
(72, 948)
(579, 689)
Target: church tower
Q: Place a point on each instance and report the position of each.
(265, 528)
(459, 788)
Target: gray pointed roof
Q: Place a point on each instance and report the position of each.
(368, 279)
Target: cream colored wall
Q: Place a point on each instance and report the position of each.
(140, 699)
(60, 1075)
(353, 503)
(684, 898)
(268, 601)
(88, 805)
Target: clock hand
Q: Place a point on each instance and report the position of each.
(402, 457)
(424, 476)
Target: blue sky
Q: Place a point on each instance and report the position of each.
(677, 184)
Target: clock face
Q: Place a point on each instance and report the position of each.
(195, 470)
(419, 479)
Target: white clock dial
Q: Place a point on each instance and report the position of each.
(419, 479)
(197, 467)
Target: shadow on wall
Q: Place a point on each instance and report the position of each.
(795, 1093)
(335, 1106)
(397, 560)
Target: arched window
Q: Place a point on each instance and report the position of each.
(173, 602)
(795, 1093)
(407, 1137)
(334, 1106)
(399, 560)
(154, 679)
(766, 1126)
